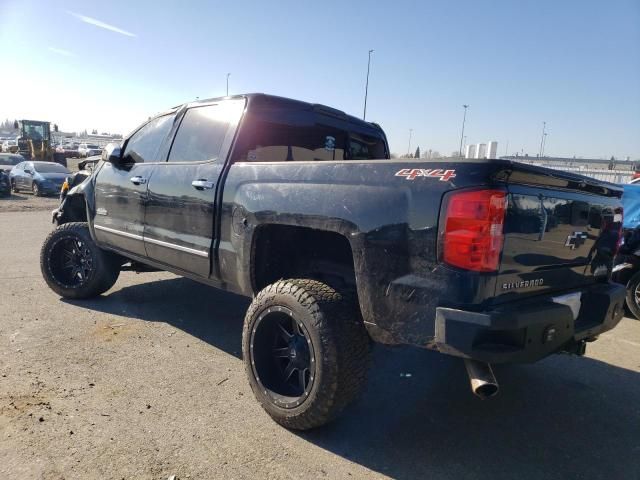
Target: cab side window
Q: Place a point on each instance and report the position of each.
(274, 142)
(201, 135)
(144, 144)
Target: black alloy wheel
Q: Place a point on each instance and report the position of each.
(282, 357)
(71, 262)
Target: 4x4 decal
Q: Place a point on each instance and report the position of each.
(412, 173)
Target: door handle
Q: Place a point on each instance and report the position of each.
(202, 184)
(138, 180)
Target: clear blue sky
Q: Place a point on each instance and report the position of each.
(574, 64)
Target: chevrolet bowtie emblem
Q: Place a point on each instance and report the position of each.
(575, 240)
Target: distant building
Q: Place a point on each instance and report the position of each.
(470, 151)
(482, 150)
(492, 150)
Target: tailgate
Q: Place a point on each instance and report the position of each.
(556, 239)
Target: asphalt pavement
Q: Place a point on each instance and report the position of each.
(146, 381)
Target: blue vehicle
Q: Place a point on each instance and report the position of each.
(40, 178)
(626, 268)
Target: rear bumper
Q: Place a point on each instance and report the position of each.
(528, 331)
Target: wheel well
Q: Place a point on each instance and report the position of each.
(281, 251)
(74, 209)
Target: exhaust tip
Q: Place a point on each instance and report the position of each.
(487, 390)
(483, 382)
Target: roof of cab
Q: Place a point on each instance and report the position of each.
(262, 101)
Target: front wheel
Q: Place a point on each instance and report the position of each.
(74, 266)
(633, 295)
(35, 189)
(305, 350)
(14, 187)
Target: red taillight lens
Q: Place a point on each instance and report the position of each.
(472, 236)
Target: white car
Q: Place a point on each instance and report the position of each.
(10, 146)
(88, 150)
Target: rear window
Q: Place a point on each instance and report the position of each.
(50, 168)
(10, 159)
(265, 141)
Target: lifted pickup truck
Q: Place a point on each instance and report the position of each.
(299, 207)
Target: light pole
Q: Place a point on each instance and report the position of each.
(228, 75)
(409, 147)
(544, 143)
(544, 126)
(366, 88)
(464, 143)
(464, 118)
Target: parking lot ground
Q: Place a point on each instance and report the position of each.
(27, 202)
(146, 381)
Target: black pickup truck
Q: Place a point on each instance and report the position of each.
(300, 207)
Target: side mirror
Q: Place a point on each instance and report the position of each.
(29, 172)
(112, 154)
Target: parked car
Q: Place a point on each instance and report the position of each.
(10, 160)
(88, 150)
(5, 184)
(70, 150)
(626, 270)
(300, 208)
(40, 178)
(10, 146)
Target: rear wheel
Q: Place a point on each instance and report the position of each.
(306, 351)
(74, 266)
(633, 295)
(14, 187)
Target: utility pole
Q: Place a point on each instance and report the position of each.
(366, 88)
(464, 118)
(409, 147)
(544, 126)
(228, 74)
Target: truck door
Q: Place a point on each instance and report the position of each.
(181, 210)
(121, 191)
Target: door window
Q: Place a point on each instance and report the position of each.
(144, 144)
(201, 134)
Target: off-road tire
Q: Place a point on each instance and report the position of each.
(632, 303)
(106, 266)
(341, 348)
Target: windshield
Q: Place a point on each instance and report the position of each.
(50, 168)
(35, 131)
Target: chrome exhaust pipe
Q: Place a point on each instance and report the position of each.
(483, 382)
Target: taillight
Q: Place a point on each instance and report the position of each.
(471, 232)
